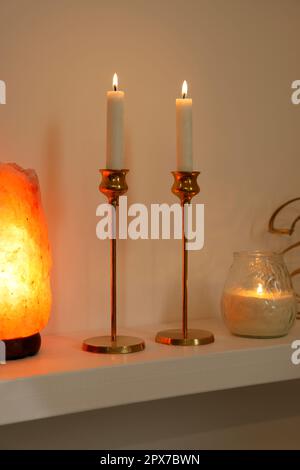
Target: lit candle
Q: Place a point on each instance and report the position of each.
(184, 131)
(258, 312)
(115, 128)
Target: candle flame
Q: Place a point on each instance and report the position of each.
(260, 289)
(115, 82)
(184, 89)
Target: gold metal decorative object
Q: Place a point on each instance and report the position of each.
(185, 187)
(113, 185)
(287, 231)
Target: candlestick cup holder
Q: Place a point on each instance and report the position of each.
(113, 185)
(185, 187)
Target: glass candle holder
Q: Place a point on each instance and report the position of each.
(258, 299)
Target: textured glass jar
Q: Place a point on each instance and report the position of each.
(258, 299)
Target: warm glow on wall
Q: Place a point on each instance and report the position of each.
(25, 295)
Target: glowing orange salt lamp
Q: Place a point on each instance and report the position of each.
(25, 293)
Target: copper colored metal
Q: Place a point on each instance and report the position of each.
(185, 187)
(113, 185)
(286, 231)
(283, 231)
(113, 288)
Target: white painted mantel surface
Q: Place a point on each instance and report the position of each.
(62, 379)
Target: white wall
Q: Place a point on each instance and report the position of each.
(239, 57)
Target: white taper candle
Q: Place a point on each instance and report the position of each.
(184, 131)
(115, 127)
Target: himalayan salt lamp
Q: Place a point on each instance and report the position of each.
(25, 293)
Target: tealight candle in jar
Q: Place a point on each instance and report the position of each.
(258, 299)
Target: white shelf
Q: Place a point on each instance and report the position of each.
(63, 379)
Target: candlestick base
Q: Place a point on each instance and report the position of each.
(105, 345)
(176, 337)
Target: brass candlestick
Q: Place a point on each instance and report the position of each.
(185, 186)
(113, 185)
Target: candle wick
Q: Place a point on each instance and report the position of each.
(115, 88)
(184, 95)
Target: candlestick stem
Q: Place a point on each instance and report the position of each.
(184, 277)
(113, 288)
(113, 273)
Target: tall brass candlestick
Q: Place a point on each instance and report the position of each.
(185, 186)
(113, 185)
